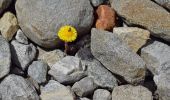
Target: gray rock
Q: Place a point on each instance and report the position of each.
(5, 57)
(4, 4)
(96, 3)
(116, 56)
(67, 70)
(144, 13)
(22, 55)
(41, 19)
(20, 37)
(15, 87)
(56, 91)
(33, 82)
(38, 71)
(84, 87)
(84, 99)
(128, 92)
(164, 3)
(156, 56)
(101, 94)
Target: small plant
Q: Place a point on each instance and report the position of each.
(67, 34)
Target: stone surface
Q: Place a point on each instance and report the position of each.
(5, 57)
(8, 25)
(21, 38)
(101, 94)
(67, 70)
(106, 18)
(83, 99)
(4, 4)
(164, 3)
(96, 3)
(22, 55)
(156, 56)
(56, 91)
(128, 92)
(133, 36)
(116, 56)
(144, 13)
(41, 19)
(15, 87)
(84, 87)
(38, 71)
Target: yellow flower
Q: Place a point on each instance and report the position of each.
(67, 33)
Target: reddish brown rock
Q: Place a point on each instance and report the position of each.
(106, 18)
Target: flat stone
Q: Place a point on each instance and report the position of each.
(144, 13)
(22, 55)
(8, 25)
(4, 4)
(68, 70)
(56, 91)
(101, 94)
(21, 38)
(40, 20)
(116, 56)
(5, 57)
(38, 71)
(128, 92)
(15, 87)
(164, 3)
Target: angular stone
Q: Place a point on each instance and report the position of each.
(116, 56)
(96, 3)
(8, 25)
(101, 94)
(128, 92)
(15, 87)
(133, 36)
(4, 4)
(56, 91)
(164, 3)
(144, 13)
(38, 71)
(84, 87)
(67, 70)
(84, 99)
(22, 55)
(40, 20)
(5, 57)
(20, 37)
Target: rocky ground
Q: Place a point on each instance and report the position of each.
(122, 51)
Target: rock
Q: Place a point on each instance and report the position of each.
(50, 57)
(56, 91)
(96, 3)
(22, 55)
(5, 57)
(8, 25)
(156, 56)
(164, 3)
(15, 87)
(4, 4)
(84, 87)
(84, 99)
(116, 56)
(41, 19)
(106, 18)
(68, 70)
(21, 38)
(144, 13)
(34, 83)
(133, 36)
(38, 71)
(101, 94)
(128, 92)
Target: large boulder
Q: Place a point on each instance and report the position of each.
(40, 20)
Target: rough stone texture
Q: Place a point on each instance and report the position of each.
(156, 56)
(96, 3)
(15, 87)
(67, 70)
(164, 3)
(84, 87)
(116, 56)
(128, 92)
(8, 25)
(21, 38)
(101, 94)
(50, 57)
(38, 71)
(133, 36)
(4, 4)
(5, 57)
(145, 13)
(41, 19)
(22, 55)
(106, 17)
(56, 91)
